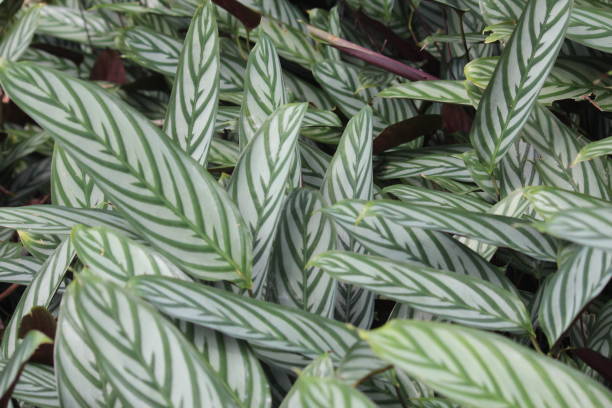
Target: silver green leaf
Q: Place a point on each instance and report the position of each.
(437, 354)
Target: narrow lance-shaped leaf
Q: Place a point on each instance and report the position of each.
(259, 182)
(303, 232)
(349, 175)
(36, 386)
(70, 186)
(263, 89)
(491, 229)
(413, 194)
(456, 297)
(443, 91)
(284, 336)
(193, 104)
(502, 373)
(582, 275)
(18, 38)
(518, 78)
(24, 351)
(19, 270)
(39, 293)
(592, 26)
(586, 226)
(143, 356)
(164, 194)
(384, 237)
(595, 149)
(321, 392)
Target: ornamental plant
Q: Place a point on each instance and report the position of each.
(273, 203)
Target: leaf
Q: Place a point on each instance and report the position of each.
(259, 182)
(264, 91)
(384, 237)
(560, 145)
(18, 270)
(191, 113)
(594, 149)
(234, 361)
(36, 386)
(520, 74)
(547, 201)
(303, 232)
(438, 353)
(314, 164)
(463, 299)
(75, 25)
(284, 336)
(51, 219)
(413, 194)
(591, 26)
(320, 392)
(18, 38)
(585, 226)
(19, 358)
(70, 186)
(491, 229)
(144, 357)
(582, 275)
(115, 258)
(349, 175)
(443, 91)
(291, 43)
(154, 184)
(599, 337)
(150, 49)
(428, 161)
(39, 293)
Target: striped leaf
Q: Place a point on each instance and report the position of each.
(349, 176)
(143, 356)
(154, 183)
(463, 299)
(568, 78)
(191, 113)
(39, 293)
(586, 226)
(384, 237)
(502, 373)
(303, 232)
(19, 270)
(15, 42)
(291, 43)
(20, 357)
(559, 145)
(518, 78)
(594, 149)
(75, 25)
(341, 82)
(115, 258)
(547, 201)
(599, 337)
(413, 194)
(36, 386)
(300, 90)
(80, 382)
(592, 26)
(260, 179)
(496, 230)
(582, 275)
(312, 391)
(40, 246)
(442, 161)
(51, 219)
(284, 336)
(443, 91)
(70, 186)
(517, 168)
(264, 90)
(150, 49)
(234, 361)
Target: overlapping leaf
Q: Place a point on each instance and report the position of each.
(155, 184)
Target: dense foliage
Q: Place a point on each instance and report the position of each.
(354, 203)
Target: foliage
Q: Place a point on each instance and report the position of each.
(274, 203)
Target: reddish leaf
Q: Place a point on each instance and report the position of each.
(40, 319)
(455, 119)
(109, 67)
(405, 131)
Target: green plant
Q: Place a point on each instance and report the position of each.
(215, 204)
